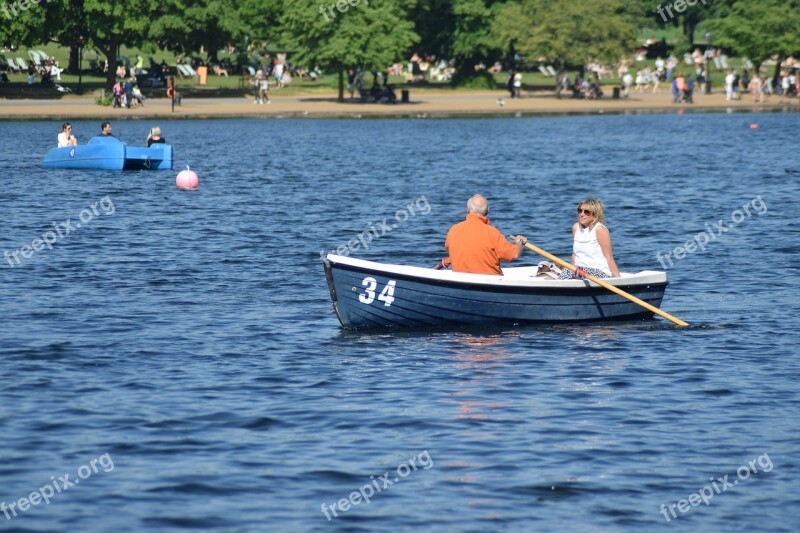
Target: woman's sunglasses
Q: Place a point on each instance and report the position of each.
(585, 212)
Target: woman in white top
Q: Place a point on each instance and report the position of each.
(66, 138)
(591, 248)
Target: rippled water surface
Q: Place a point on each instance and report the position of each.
(185, 341)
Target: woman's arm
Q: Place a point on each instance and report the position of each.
(574, 229)
(604, 239)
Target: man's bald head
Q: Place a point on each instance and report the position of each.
(478, 205)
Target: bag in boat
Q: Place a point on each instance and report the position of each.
(547, 270)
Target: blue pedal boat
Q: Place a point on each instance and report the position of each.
(369, 294)
(109, 153)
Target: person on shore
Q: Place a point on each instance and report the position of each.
(510, 83)
(477, 247)
(105, 129)
(729, 81)
(138, 97)
(627, 80)
(766, 87)
(117, 94)
(675, 91)
(680, 83)
(754, 87)
(591, 248)
(640, 83)
(257, 83)
(518, 84)
(154, 136)
(690, 89)
(277, 71)
(66, 138)
(263, 90)
(129, 93)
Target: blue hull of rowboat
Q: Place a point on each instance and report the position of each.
(109, 153)
(369, 294)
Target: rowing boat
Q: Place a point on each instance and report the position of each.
(370, 294)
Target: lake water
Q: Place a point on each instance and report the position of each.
(177, 357)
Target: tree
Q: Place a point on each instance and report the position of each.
(568, 32)
(435, 23)
(210, 25)
(760, 29)
(112, 23)
(473, 39)
(362, 36)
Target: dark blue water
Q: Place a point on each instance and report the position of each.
(185, 341)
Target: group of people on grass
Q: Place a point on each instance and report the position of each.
(475, 246)
(381, 91)
(127, 94)
(66, 138)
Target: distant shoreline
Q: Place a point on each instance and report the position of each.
(423, 104)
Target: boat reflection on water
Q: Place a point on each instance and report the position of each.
(481, 363)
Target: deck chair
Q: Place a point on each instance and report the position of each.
(747, 63)
(687, 58)
(551, 70)
(724, 61)
(544, 71)
(22, 64)
(180, 67)
(717, 63)
(12, 65)
(35, 58)
(190, 71)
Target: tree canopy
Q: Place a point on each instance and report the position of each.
(366, 36)
(370, 34)
(760, 29)
(574, 33)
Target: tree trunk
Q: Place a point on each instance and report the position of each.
(688, 30)
(777, 76)
(562, 67)
(341, 83)
(111, 62)
(73, 67)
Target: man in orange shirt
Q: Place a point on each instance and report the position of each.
(477, 247)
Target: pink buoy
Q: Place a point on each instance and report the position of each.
(187, 179)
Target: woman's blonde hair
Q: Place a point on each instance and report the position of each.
(596, 207)
(155, 132)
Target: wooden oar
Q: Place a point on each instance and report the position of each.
(605, 285)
